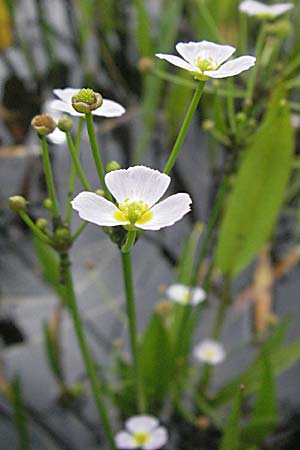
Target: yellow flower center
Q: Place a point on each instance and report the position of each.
(203, 65)
(209, 355)
(186, 297)
(137, 213)
(141, 438)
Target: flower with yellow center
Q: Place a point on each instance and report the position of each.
(136, 191)
(205, 60)
(210, 352)
(142, 432)
(262, 11)
(185, 295)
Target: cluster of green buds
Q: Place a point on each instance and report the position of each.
(86, 101)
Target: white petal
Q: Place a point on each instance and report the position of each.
(255, 8)
(96, 209)
(57, 137)
(141, 424)
(232, 68)
(60, 105)
(66, 94)
(137, 183)
(125, 441)
(109, 108)
(179, 62)
(209, 352)
(158, 439)
(204, 50)
(185, 295)
(168, 212)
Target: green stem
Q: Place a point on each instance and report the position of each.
(258, 51)
(79, 231)
(130, 240)
(49, 177)
(230, 105)
(74, 155)
(72, 179)
(96, 154)
(212, 221)
(85, 352)
(32, 226)
(129, 290)
(243, 31)
(182, 133)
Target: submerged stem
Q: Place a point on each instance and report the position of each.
(182, 133)
(129, 290)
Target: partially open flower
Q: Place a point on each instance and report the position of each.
(43, 124)
(185, 295)
(108, 108)
(210, 352)
(86, 101)
(142, 432)
(205, 60)
(263, 11)
(137, 191)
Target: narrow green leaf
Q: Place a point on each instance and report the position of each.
(187, 257)
(143, 29)
(258, 192)
(231, 436)
(254, 432)
(156, 362)
(20, 415)
(52, 355)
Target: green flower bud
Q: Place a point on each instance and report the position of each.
(17, 203)
(65, 123)
(86, 101)
(281, 28)
(43, 124)
(100, 192)
(62, 234)
(241, 117)
(41, 223)
(112, 165)
(47, 203)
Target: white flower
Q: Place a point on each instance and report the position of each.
(260, 10)
(205, 60)
(57, 136)
(209, 352)
(142, 432)
(185, 295)
(136, 190)
(109, 108)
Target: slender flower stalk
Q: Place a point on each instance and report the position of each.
(79, 231)
(182, 133)
(72, 179)
(49, 177)
(258, 52)
(96, 154)
(86, 355)
(129, 290)
(76, 163)
(32, 226)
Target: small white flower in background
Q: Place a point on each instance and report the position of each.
(210, 352)
(142, 432)
(205, 60)
(185, 295)
(263, 11)
(295, 121)
(57, 136)
(109, 108)
(137, 191)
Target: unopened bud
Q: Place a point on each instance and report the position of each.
(112, 165)
(17, 203)
(280, 28)
(43, 124)
(241, 117)
(62, 234)
(65, 123)
(164, 308)
(47, 203)
(100, 192)
(41, 223)
(208, 125)
(145, 65)
(86, 100)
